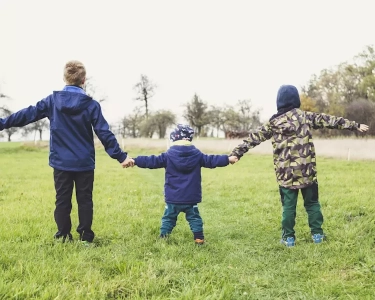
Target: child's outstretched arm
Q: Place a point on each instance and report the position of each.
(264, 133)
(213, 161)
(105, 135)
(333, 122)
(151, 162)
(27, 115)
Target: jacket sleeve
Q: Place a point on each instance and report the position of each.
(264, 133)
(151, 162)
(331, 122)
(213, 161)
(27, 115)
(106, 137)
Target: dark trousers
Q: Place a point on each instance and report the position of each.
(171, 212)
(64, 183)
(312, 207)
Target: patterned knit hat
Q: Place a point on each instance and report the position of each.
(182, 132)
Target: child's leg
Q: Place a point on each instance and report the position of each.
(64, 189)
(312, 206)
(195, 221)
(169, 219)
(84, 186)
(289, 202)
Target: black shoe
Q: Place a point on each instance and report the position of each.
(63, 238)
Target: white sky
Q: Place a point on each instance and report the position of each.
(222, 50)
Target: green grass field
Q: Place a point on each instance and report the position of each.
(242, 258)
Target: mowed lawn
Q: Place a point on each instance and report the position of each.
(242, 258)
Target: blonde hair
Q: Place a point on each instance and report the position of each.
(74, 73)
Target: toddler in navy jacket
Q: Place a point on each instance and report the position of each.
(183, 188)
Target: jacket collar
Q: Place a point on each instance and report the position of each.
(181, 143)
(74, 89)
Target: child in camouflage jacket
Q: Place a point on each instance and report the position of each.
(294, 158)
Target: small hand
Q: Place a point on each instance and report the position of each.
(233, 159)
(362, 128)
(128, 162)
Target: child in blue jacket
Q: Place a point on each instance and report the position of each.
(73, 117)
(182, 188)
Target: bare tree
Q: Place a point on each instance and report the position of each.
(3, 96)
(196, 113)
(147, 126)
(91, 90)
(145, 89)
(131, 124)
(121, 128)
(36, 127)
(216, 118)
(5, 112)
(231, 120)
(162, 119)
(10, 131)
(2, 109)
(363, 111)
(248, 117)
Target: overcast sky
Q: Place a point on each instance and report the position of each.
(222, 50)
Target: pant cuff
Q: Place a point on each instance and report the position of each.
(198, 235)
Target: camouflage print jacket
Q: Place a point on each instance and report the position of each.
(293, 148)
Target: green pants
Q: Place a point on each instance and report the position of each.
(312, 206)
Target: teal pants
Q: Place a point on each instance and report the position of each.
(312, 206)
(171, 212)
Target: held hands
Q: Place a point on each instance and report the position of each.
(128, 162)
(233, 159)
(362, 128)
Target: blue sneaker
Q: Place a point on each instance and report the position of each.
(289, 242)
(317, 238)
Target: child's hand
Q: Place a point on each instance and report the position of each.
(128, 162)
(362, 128)
(233, 159)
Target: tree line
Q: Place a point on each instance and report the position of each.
(206, 120)
(346, 90)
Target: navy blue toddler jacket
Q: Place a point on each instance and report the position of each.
(73, 116)
(182, 171)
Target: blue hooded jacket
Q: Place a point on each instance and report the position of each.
(183, 181)
(73, 116)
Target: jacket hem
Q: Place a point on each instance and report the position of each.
(183, 202)
(296, 187)
(83, 169)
